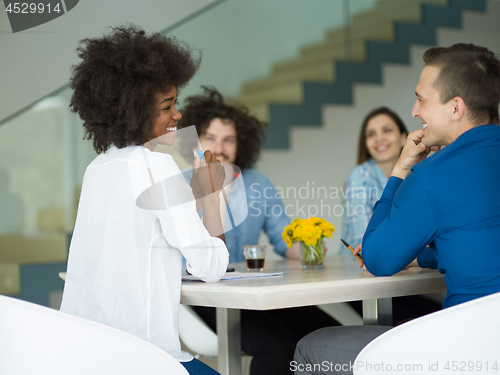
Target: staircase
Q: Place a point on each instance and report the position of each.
(312, 172)
(325, 72)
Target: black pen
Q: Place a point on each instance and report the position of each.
(229, 269)
(350, 248)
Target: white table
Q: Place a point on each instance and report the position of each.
(340, 281)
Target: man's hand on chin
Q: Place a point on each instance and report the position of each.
(413, 152)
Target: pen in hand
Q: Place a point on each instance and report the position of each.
(350, 248)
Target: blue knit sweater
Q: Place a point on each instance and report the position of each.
(451, 202)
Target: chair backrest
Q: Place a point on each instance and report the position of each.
(196, 334)
(39, 340)
(462, 338)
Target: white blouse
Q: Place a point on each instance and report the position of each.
(125, 262)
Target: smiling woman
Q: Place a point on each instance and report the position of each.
(166, 119)
(381, 139)
(124, 267)
(117, 95)
(384, 141)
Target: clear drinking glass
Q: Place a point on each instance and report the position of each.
(255, 256)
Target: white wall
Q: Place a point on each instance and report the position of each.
(325, 156)
(36, 62)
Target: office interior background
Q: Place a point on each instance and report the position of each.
(311, 68)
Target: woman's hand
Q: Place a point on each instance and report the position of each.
(208, 177)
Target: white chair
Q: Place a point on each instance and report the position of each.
(196, 334)
(39, 340)
(462, 338)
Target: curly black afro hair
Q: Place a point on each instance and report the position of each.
(200, 110)
(115, 84)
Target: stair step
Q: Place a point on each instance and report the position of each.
(313, 69)
(361, 30)
(319, 54)
(328, 47)
(321, 71)
(261, 111)
(33, 249)
(312, 64)
(316, 62)
(375, 17)
(384, 5)
(17, 249)
(382, 29)
(290, 92)
(377, 25)
(10, 279)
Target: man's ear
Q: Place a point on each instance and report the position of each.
(458, 108)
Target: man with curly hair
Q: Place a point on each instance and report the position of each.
(124, 267)
(235, 137)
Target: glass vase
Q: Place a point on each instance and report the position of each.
(312, 256)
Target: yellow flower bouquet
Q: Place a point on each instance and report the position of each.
(310, 234)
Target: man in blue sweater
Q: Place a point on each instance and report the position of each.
(440, 211)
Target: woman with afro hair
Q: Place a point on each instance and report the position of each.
(125, 260)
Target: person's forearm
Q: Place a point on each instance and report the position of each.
(212, 217)
(399, 228)
(375, 254)
(400, 172)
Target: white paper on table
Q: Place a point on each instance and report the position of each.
(235, 275)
